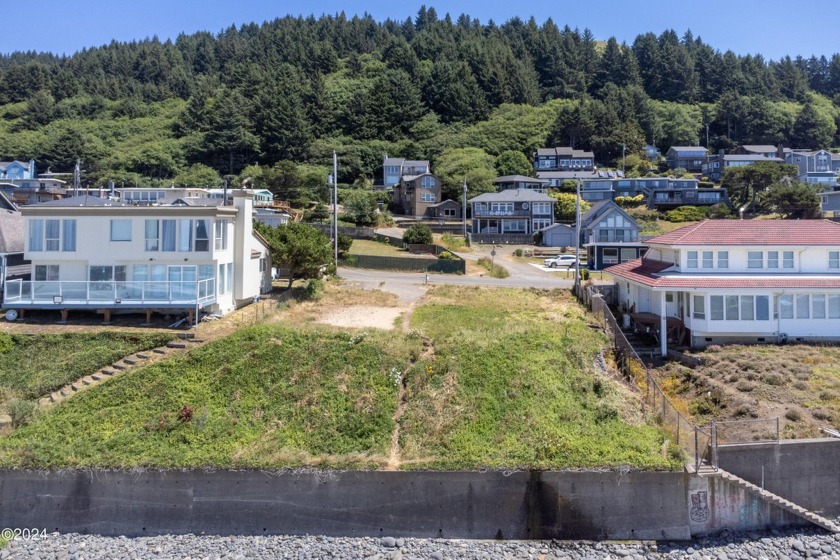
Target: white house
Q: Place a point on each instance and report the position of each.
(730, 280)
(99, 254)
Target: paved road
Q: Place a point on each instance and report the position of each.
(395, 281)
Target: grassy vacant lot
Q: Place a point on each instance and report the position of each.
(798, 383)
(480, 378)
(34, 365)
(513, 382)
(378, 249)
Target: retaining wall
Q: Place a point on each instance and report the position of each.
(521, 505)
(806, 472)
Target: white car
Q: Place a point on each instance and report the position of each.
(560, 261)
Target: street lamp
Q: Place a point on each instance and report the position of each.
(464, 209)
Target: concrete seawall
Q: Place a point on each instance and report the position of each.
(806, 472)
(475, 505)
(521, 505)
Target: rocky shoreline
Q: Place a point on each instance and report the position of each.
(782, 545)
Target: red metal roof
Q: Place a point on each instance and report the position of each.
(649, 273)
(753, 232)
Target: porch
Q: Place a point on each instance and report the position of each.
(28, 294)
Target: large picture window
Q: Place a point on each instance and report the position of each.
(120, 230)
(52, 235)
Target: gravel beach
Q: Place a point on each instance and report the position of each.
(792, 545)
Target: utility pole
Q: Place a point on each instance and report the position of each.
(623, 150)
(464, 209)
(335, 206)
(707, 136)
(577, 235)
(77, 177)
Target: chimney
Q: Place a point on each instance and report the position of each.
(243, 201)
(780, 151)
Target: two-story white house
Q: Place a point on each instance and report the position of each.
(99, 254)
(723, 281)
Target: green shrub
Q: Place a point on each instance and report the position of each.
(719, 211)
(21, 411)
(6, 343)
(418, 234)
(447, 256)
(344, 244)
(495, 270)
(452, 242)
(314, 289)
(686, 214)
(584, 274)
(518, 252)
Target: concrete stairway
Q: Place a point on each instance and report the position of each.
(770, 497)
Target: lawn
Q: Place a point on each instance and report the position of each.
(492, 379)
(34, 365)
(378, 249)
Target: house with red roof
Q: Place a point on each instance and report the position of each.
(722, 281)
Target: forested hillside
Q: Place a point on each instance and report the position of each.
(457, 92)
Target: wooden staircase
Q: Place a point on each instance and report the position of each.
(769, 497)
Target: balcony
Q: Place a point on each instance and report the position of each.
(70, 294)
(501, 213)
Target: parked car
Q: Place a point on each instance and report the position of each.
(561, 261)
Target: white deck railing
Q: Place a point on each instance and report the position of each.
(35, 292)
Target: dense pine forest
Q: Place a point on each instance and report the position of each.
(273, 101)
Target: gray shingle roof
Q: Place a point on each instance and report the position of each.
(11, 232)
(518, 179)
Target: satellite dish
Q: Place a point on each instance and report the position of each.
(11, 315)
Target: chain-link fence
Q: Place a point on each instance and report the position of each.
(695, 441)
(699, 443)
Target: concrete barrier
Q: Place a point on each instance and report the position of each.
(521, 505)
(803, 471)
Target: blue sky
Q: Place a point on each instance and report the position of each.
(772, 28)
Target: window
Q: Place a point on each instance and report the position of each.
(731, 308)
(834, 306)
(427, 197)
(229, 277)
(106, 273)
(834, 259)
(762, 308)
(628, 254)
(610, 256)
(120, 230)
(787, 259)
(716, 308)
(802, 307)
(52, 235)
(772, 259)
(202, 239)
(818, 306)
(428, 182)
(220, 236)
(184, 235)
(723, 259)
(68, 241)
(542, 208)
(699, 307)
(708, 259)
(152, 235)
(786, 306)
(168, 235)
(692, 259)
(755, 259)
(36, 235)
(46, 272)
(747, 308)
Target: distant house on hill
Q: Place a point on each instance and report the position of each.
(690, 158)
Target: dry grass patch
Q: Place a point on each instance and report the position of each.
(798, 383)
